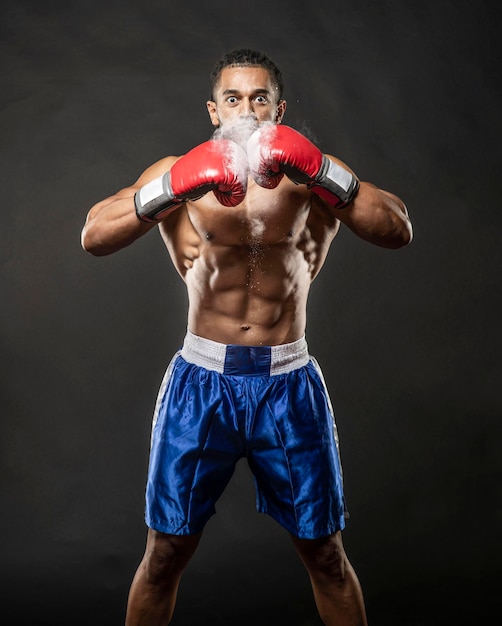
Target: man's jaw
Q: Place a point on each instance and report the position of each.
(239, 129)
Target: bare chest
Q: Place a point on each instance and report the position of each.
(265, 217)
(280, 227)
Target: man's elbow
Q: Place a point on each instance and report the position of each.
(397, 234)
(92, 244)
(401, 231)
(405, 235)
(398, 239)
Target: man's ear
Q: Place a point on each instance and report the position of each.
(213, 115)
(281, 109)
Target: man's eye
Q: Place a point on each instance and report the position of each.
(261, 99)
(232, 100)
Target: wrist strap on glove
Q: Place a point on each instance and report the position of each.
(155, 199)
(337, 181)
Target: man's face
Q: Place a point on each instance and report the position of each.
(245, 93)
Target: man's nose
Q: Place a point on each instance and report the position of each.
(247, 106)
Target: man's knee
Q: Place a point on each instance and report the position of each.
(324, 558)
(166, 556)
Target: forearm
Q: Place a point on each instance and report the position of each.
(378, 217)
(112, 224)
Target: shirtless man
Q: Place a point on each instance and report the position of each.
(247, 219)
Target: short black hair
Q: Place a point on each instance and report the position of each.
(245, 57)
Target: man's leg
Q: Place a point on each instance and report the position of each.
(153, 591)
(337, 591)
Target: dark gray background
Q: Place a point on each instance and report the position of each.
(409, 94)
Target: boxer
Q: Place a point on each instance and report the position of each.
(247, 218)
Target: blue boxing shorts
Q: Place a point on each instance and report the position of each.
(219, 403)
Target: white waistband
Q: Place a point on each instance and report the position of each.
(212, 355)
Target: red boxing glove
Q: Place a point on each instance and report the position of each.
(275, 150)
(220, 166)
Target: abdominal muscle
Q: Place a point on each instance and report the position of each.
(250, 297)
(248, 271)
